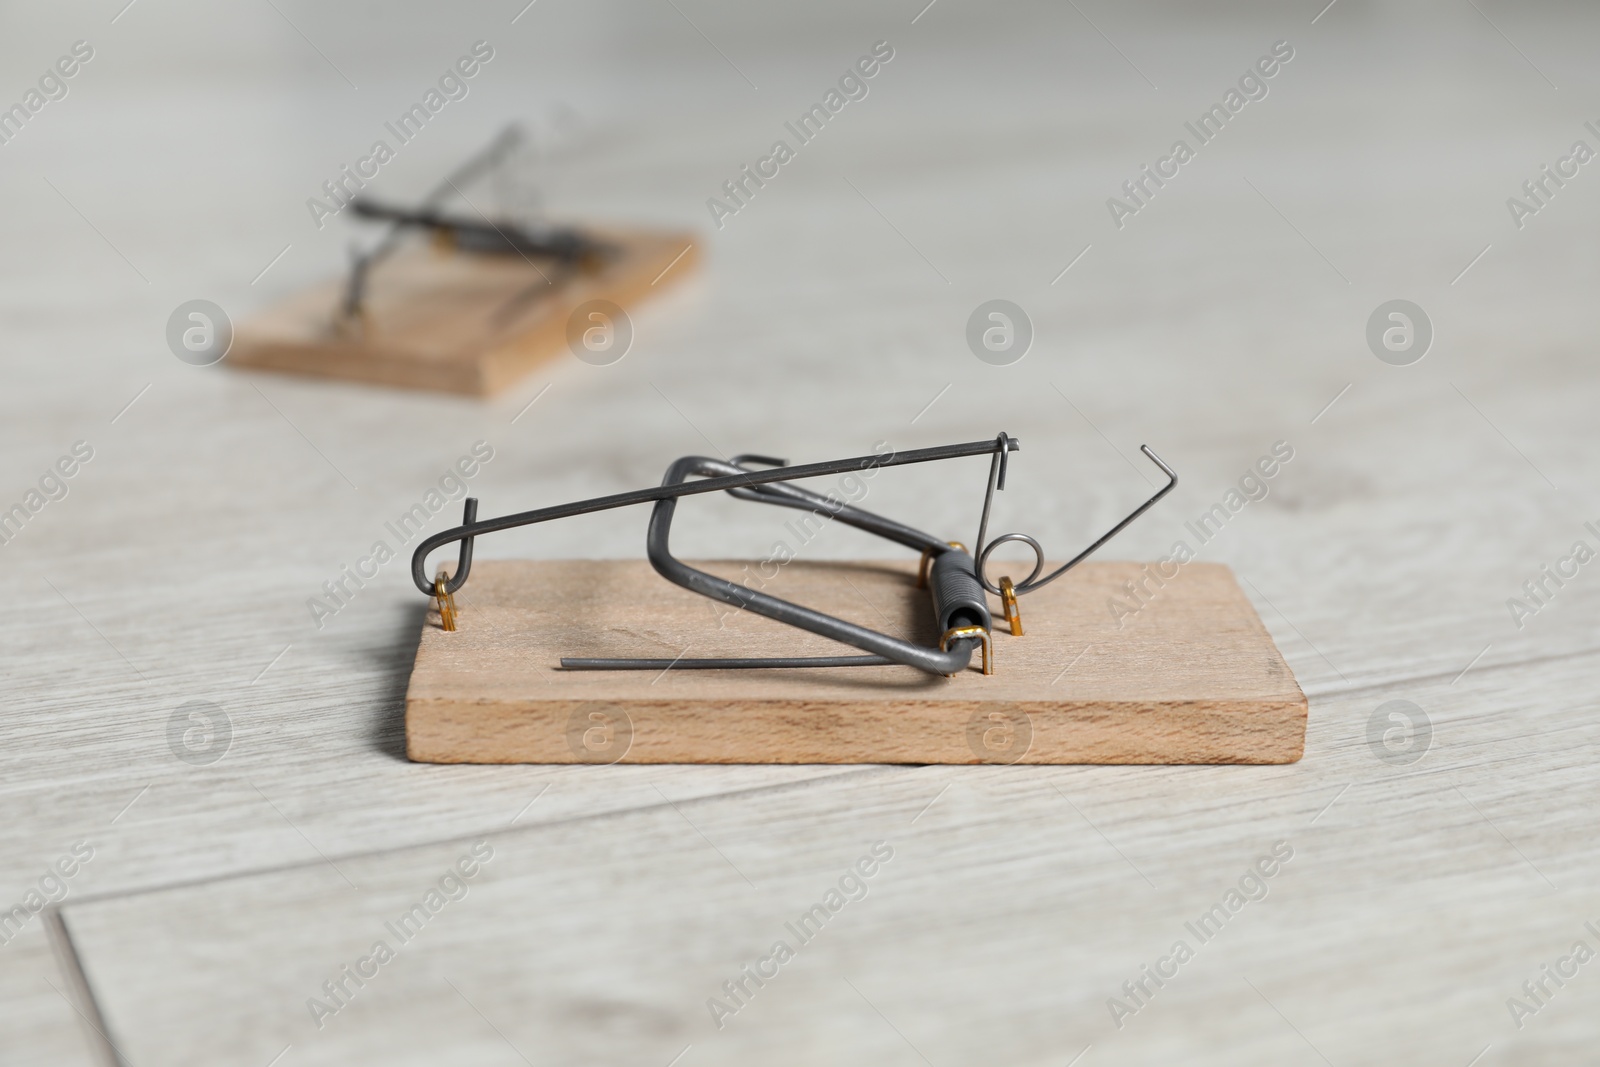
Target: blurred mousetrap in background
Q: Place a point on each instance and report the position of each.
(471, 310)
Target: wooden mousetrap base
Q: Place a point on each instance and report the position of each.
(454, 322)
(1192, 678)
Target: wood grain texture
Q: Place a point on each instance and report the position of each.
(457, 323)
(1194, 678)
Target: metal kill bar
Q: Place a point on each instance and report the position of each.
(961, 616)
(469, 530)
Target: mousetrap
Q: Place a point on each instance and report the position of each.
(598, 661)
(473, 309)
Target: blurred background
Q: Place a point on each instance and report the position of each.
(832, 309)
(1229, 313)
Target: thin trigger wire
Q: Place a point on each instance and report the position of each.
(1033, 581)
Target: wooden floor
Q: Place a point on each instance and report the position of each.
(213, 747)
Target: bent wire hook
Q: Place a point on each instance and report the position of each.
(955, 581)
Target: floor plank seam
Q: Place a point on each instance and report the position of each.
(123, 894)
(65, 952)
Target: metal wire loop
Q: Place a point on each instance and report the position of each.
(997, 480)
(1038, 561)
